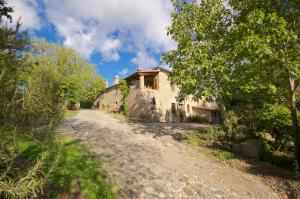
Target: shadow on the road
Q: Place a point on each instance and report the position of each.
(281, 177)
(178, 131)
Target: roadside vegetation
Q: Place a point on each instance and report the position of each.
(39, 81)
(71, 113)
(244, 55)
(275, 168)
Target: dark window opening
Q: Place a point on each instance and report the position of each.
(173, 108)
(180, 106)
(151, 83)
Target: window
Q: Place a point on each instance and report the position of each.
(151, 83)
(180, 106)
(173, 108)
(188, 108)
(116, 105)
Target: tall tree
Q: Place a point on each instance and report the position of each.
(240, 52)
(268, 42)
(76, 76)
(199, 65)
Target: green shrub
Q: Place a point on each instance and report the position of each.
(233, 129)
(75, 164)
(198, 119)
(226, 155)
(125, 92)
(210, 133)
(275, 120)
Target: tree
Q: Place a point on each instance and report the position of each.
(93, 84)
(245, 54)
(5, 11)
(267, 41)
(76, 77)
(125, 92)
(37, 81)
(199, 64)
(17, 179)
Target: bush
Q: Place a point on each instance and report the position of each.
(210, 134)
(197, 119)
(275, 120)
(125, 92)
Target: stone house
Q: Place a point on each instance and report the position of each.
(152, 97)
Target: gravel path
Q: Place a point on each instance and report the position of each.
(145, 161)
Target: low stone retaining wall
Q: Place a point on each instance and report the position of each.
(250, 148)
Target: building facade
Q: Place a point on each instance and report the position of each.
(152, 97)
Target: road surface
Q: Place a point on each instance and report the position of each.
(146, 160)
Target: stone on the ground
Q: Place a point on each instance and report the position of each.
(251, 148)
(236, 147)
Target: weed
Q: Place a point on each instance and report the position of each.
(192, 140)
(225, 155)
(70, 113)
(76, 164)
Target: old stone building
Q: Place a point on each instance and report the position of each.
(152, 97)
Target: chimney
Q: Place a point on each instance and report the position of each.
(139, 69)
(117, 80)
(106, 84)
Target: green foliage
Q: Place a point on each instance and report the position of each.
(22, 177)
(225, 155)
(210, 133)
(5, 11)
(77, 80)
(200, 54)
(93, 84)
(192, 141)
(37, 82)
(284, 159)
(24, 105)
(70, 113)
(275, 119)
(233, 129)
(74, 164)
(245, 56)
(125, 92)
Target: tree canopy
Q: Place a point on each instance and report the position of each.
(38, 81)
(244, 54)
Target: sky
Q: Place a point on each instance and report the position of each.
(116, 35)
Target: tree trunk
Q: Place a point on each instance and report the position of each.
(223, 108)
(294, 118)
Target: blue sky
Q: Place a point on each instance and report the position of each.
(116, 35)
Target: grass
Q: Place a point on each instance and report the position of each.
(208, 133)
(200, 136)
(192, 141)
(70, 113)
(225, 155)
(76, 164)
(281, 159)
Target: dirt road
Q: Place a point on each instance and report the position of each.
(147, 161)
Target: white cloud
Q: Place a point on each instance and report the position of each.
(123, 72)
(109, 49)
(144, 60)
(113, 26)
(27, 10)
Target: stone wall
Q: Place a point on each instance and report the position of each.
(151, 104)
(110, 100)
